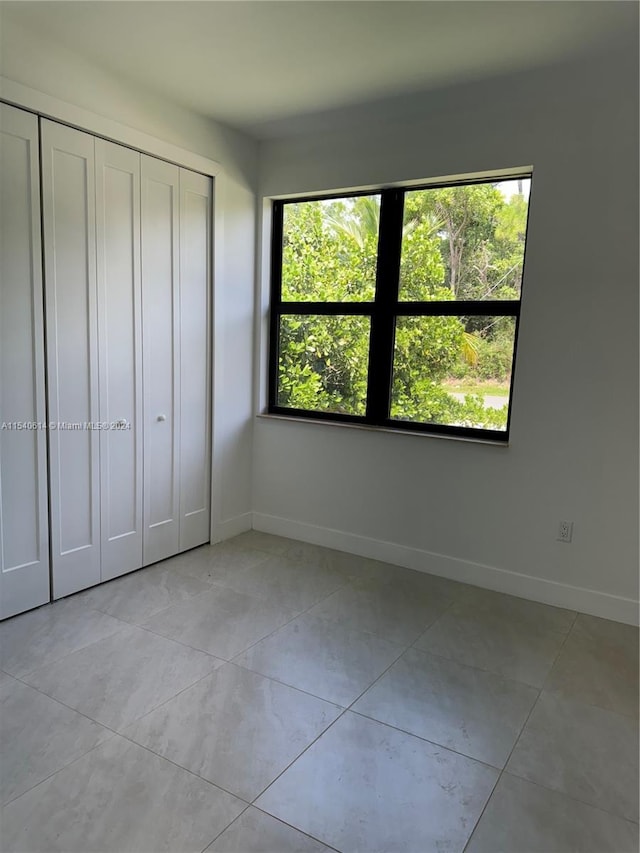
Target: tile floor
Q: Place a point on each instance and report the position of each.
(268, 696)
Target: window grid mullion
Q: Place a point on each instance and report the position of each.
(328, 309)
(459, 308)
(380, 369)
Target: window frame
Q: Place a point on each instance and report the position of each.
(384, 310)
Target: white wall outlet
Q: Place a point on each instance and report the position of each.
(565, 531)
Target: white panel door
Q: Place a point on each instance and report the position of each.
(195, 357)
(68, 194)
(24, 538)
(120, 356)
(161, 350)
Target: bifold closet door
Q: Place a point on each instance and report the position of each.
(119, 356)
(68, 193)
(24, 552)
(176, 307)
(195, 358)
(161, 351)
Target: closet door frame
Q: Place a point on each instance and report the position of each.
(195, 347)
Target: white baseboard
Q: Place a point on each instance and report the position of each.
(584, 600)
(231, 527)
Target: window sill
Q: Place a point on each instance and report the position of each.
(380, 429)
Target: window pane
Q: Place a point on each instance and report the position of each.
(464, 242)
(453, 370)
(329, 250)
(323, 363)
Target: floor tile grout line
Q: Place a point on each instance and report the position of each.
(556, 694)
(460, 663)
(562, 645)
(286, 684)
(339, 717)
(228, 826)
(481, 815)
(342, 713)
(375, 633)
(350, 580)
(559, 652)
(184, 769)
(73, 651)
(217, 582)
(483, 669)
(544, 692)
(109, 636)
(378, 722)
(175, 696)
(293, 760)
(433, 624)
(121, 734)
(522, 728)
(129, 724)
(322, 619)
(503, 770)
(427, 740)
(404, 649)
(273, 817)
(146, 713)
(76, 598)
(156, 633)
(271, 556)
(256, 598)
(60, 769)
(541, 688)
(293, 619)
(519, 735)
(297, 829)
(156, 612)
(297, 616)
(64, 704)
(211, 583)
(571, 797)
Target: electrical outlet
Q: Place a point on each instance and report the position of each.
(565, 531)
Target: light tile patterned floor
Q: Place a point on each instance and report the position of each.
(270, 696)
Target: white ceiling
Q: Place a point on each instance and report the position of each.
(246, 63)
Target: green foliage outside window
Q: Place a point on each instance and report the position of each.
(459, 242)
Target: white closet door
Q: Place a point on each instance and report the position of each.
(68, 193)
(161, 350)
(24, 539)
(195, 356)
(120, 356)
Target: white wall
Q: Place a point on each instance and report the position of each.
(481, 513)
(59, 81)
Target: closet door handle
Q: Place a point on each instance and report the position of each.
(161, 418)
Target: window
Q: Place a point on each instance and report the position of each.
(400, 308)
